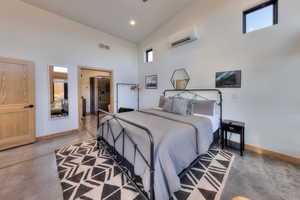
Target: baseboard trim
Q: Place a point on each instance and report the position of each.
(47, 137)
(281, 156)
(18, 144)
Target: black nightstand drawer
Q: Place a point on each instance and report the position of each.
(232, 128)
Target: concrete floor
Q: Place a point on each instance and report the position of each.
(262, 178)
(29, 172)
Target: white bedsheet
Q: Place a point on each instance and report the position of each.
(215, 120)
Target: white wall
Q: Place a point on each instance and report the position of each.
(130, 96)
(32, 34)
(269, 59)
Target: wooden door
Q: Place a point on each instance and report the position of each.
(17, 103)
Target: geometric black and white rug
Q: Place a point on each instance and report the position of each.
(87, 175)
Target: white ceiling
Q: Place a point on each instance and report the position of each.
(112, 16)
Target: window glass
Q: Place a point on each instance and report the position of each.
(259, 19)
(261, 16)
(60, 69)
(149, 55)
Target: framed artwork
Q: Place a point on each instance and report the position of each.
(230, 79)
(151, 81)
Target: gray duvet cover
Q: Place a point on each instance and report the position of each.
(175, 145)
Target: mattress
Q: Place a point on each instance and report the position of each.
(168, 135)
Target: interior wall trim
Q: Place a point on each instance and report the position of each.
(281, 156)
(258, 150)
(47, 137)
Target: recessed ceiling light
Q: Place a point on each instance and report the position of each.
(132, 22)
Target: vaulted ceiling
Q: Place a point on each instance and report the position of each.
(112, 16)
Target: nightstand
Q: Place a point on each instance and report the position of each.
(233, 127)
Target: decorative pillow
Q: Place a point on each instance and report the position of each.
(204, 107)
(162, 100)
(168, 105)
(181, 106)
(190, 107)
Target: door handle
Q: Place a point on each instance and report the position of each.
(29, 106)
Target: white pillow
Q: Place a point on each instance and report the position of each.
(205, 107)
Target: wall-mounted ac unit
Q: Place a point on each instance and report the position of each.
(183, 37)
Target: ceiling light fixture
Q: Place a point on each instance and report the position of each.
(132, 22)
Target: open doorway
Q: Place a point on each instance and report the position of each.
(95, 91)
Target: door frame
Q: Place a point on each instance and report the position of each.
(80, 68)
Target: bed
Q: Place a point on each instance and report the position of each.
(158, 147)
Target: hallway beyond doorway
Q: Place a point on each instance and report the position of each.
(95, 91)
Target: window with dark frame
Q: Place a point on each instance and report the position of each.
(261, 16)
(149, 55)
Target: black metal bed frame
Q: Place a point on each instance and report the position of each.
(126, 166)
